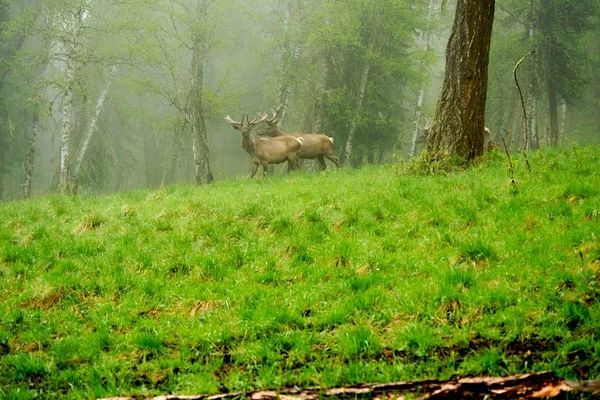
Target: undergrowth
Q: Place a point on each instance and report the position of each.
(337, 278)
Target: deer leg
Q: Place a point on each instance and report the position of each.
(322, 162)
(265, 168)
(333, 159)
(254, 169)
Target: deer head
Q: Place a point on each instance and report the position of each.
(272, 129)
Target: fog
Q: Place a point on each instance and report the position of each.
(113, 95)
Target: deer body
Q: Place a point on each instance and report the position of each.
(314, 145)
(265, 151)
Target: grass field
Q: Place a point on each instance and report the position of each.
(336, 278)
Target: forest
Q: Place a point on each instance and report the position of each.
(105, 96)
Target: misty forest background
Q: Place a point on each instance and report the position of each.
(111, 95)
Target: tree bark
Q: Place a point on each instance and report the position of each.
(458, 123)
(563, 118)
(30, 158)
(361, 96)
(92, 124)
(532, 141)
(425, 45)
(283, 93)
(67, 114)
(526, 386)
(202, 172)
(552, 109)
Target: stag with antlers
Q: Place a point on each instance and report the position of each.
(314, 145)
(265, 151)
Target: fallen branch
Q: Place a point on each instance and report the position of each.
(529, 386)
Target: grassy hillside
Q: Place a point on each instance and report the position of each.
(310, 279)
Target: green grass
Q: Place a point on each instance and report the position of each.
(337, 278)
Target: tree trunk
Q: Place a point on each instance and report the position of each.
(552, 109)
(30, 158)
(361, 96)
(202, 172)
(321, 92)
(67, 114)
(459, 116)
(152, 159)
(563, 118)
(424, 39)
(283, 92)
(4, 135)
(533, 142)
(92, 125)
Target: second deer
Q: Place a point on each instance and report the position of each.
(314, 145)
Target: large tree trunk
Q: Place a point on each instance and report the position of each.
(424, 39)
(361, 96)
(458, 123)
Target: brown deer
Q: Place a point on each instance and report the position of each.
(314, 145)
(265, 151)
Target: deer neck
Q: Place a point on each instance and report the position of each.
(248, 144)
(277, 131)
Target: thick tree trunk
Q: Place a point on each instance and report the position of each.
(424, 39)
(361, 96)
(459, 117)
(92, 125)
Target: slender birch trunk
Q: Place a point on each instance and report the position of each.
(321, 90)
(30, 158)
(424, 39)
(363, 88)
(283, 93)
(533, 142)
(552, 108)
(563, 117)
(92, 125)
(67, 114)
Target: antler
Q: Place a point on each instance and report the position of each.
(257, 120)
(276, 113)
(234, 123)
